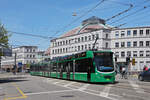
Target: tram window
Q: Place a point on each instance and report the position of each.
(64, 67)
(54, 67)
(71, 66)
(82, 65)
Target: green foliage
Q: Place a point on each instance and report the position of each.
(3, 36)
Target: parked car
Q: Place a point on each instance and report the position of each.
(145, 75)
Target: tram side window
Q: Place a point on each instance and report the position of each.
(64, 67)
(31, 68)
(82, 65)
(54, 67)
(71, 66)
(45, 67)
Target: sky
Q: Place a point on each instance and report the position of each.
(52, 18)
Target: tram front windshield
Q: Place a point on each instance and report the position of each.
(104, 61)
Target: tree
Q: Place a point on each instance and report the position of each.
(3, 36)
(3, 40)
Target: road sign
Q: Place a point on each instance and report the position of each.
(133, 61)
(19, 64)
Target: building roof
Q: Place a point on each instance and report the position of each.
(91, 24)
(47, 52)
(84, 29)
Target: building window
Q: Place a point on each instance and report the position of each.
(147, 43)
(78, 48)
(147, 53)
(85, 38)
(33, 50)
(30, 56)
(63, 42)
(78, 39)
(122, 33)
(61, 50)
(82, 47)
(33, 56)
(117, 44)
(97, 36)
(117, 34)
(53, 52)
(82, 39)
(66, 42)
(106, 36)
(147, 32)
(134, 32)
(55, 44)
(106, 44)
(141, 32)
(122, 44)
(27, 50)
(122, 54)
(93, 37)
(134, 53)
(141, 53)
(117, 54)
(66, 50)
(75, 40)
(141, 43)
(75, 48)
(135, 44)
(89, 38)
(69, 41)
(128, 44)
(128, 53)
(128, 33)
(85, 46)
(89, 46)
(27, 56)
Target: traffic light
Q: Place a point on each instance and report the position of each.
(127, 60)
(133, 61)
(1, 52)
(115, 59)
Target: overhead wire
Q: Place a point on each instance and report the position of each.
(137, 11)
(33, 35)
(133, 12)
(99, 3)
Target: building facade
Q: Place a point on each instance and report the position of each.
(82, 38)
(24, 55)
(134, 43)
(124, 42)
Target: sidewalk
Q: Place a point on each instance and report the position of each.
(129, 77)
(6, 75)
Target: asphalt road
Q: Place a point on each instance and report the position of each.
(26, 87)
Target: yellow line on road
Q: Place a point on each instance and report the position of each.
(23, 95)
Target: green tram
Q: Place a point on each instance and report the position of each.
(89, 66)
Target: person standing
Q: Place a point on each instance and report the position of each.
(145, 68)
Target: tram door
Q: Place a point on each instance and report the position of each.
(61, 70)
(68, 70)
(89, 73)
(49, 66)
(89, 68)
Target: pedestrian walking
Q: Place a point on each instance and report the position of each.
(123, 72)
